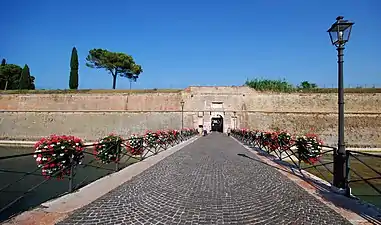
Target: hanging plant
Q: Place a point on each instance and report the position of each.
(57, 155)
(151, 139)
(309, 148)
(173, 135)
(266, 139)
(135, 145)
(285, 140)
(187, 132)
(163, 137)
(109, 148)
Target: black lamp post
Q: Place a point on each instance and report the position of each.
(182, 114)
(235, 120)
(339, 33)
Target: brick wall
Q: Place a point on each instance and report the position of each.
(93, 115)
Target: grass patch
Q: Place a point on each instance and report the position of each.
(283, 86)
(334, 90)
(270, 86)
(91, 91)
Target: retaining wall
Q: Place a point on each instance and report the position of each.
(91, 116)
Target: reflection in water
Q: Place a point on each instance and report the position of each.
(50, 189)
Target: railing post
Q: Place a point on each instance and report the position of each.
(142, 146)
(347, 174)
(299, 155)
(71, 175)
(339, 169)
(117, 156)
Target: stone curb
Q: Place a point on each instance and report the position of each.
(335, 193)
(55, 210)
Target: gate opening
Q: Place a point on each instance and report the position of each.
(218, 124)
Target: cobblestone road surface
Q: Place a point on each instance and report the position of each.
(206, 182)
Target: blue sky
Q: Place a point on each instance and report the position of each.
(198, 42)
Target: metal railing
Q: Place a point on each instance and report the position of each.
(361, 177)
(14, 191)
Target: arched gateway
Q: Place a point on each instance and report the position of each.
(217, 123)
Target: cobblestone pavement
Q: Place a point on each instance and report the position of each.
(206, 182)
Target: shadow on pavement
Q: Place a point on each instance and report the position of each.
(367, 212)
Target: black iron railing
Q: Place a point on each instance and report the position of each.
(108, 156)
(363, 173)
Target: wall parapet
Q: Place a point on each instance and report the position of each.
(191, 111)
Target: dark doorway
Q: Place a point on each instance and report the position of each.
(218, 124)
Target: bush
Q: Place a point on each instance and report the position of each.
(304, 87)
(270, 85)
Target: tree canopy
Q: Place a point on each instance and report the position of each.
(116, 63)
(74, 66)
(25, 81)
(10, 75)
(307, 85)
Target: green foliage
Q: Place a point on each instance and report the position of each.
(307, 85)
(2, 76)
(10, 75)
(270, 85)
(280, 86)
(32, 86)
(116, 63)
(25, 78)
(74, 66)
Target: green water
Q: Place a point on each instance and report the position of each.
(360, 189)
(50, 189)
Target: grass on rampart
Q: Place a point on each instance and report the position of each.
(90, 91)
(277, 86)
(282, 86)
(105, 91)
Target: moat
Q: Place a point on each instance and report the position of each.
(89, 171)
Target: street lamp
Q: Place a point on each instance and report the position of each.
(182, 114)
(339, 34)
(235, 120)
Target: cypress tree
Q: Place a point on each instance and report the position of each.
(74, 65)
(24, 82)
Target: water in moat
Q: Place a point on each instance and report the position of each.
(359, 188)
(22, 183)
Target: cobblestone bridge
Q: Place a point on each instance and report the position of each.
(206, 182)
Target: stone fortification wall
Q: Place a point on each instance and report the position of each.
(91, 116)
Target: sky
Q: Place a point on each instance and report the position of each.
(198, 42)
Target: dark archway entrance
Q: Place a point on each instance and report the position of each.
(218, 124)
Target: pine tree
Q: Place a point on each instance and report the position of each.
(25, 78)
(3, 62)
(74, 65)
